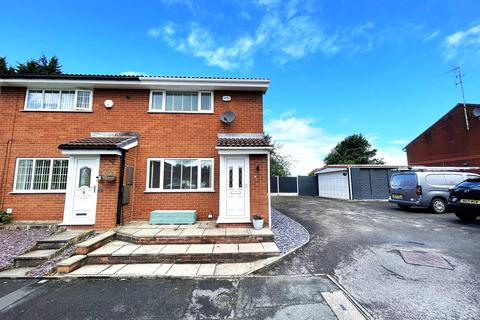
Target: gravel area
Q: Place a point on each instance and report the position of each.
(15, 242)
(289, 234)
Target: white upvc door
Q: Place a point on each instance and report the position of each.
(81, 196)
(234, 189)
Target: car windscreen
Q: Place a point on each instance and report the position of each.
(470, 184)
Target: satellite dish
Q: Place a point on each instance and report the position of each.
(227, 117)
(476, 112)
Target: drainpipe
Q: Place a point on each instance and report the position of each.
(120, 187)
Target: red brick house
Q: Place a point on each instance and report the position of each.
(448, 142)
(98, 151)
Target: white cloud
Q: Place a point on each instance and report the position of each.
(392, 155)
(133, 73)
(307, 143)
(462, 43)
(432, 36)
(283, 32)
(400, 141)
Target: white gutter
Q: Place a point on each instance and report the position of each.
(144, 83)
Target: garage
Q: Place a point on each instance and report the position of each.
(334, 184)
(355, 181)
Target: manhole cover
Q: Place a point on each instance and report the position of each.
(425, 259)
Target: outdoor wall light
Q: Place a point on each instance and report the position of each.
(258, 167)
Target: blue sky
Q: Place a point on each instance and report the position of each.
(375, 67)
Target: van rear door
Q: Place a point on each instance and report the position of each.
(403, 187)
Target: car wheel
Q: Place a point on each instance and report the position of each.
(465, 217)
(404, 206)
(439, 205)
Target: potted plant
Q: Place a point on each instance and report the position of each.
(108, 176)
(257, 222)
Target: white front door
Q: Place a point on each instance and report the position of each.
(234, 193)
(81, 196)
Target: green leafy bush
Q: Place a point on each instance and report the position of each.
(4, 217)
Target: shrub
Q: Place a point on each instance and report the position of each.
(4, 217)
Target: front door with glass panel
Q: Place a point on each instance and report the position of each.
(236, 190)
(81, 197)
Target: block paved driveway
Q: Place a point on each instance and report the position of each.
(361, 244)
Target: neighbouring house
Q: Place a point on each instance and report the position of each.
(452, 141)
(96, 151)
(355, 181)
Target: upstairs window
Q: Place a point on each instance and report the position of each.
(181, 101)
(58, 100)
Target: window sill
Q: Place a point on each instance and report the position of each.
(185, 112)
(59, 111)
(180, 191)
(38, 192)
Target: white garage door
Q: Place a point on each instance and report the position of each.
(333, 185)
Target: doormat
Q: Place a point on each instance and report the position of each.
(426, 259)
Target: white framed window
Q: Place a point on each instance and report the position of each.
(180, 175)
(181, 101)
(58, 100)
(41, 175)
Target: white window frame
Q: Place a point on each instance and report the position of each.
(164, 102)
(199, 176)
(59, 101)
(49, 190)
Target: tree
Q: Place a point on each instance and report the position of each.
(279, 163)
(4, 68)
(42, 65)
(354, 149)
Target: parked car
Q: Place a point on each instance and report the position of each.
(464, 200)
(425, 188)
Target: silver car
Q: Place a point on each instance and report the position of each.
(425, 188)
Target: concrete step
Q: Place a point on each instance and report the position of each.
(16, 272)
(172, 235)
(34, 258)
(61, 239)
(169, 269)
(117, 252)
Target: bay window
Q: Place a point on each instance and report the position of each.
(180, 175)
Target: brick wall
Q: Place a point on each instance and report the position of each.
(38, 134)
(259, 186)
(448, 142)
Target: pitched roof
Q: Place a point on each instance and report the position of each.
(243, 142)
(108, 143)
(469, 106)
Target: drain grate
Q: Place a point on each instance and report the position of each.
(426, 259)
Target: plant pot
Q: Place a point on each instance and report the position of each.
(108, 178)
(257, 224)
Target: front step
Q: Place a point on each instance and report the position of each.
(59, 240)
(34, 258)
(194, 236)
(121, 253)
